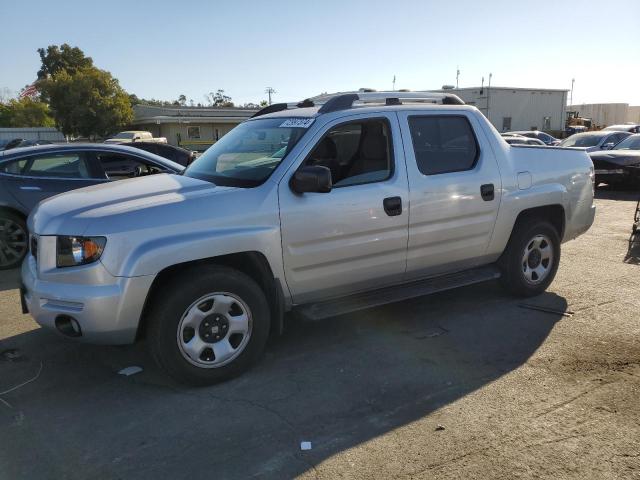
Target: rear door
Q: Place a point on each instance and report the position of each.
(37, 177)
(455, 190)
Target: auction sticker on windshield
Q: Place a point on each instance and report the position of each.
(297, 123)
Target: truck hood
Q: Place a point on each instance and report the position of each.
(121, 205)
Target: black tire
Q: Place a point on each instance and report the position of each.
(8, 259)
(513, 268)
(173, 299)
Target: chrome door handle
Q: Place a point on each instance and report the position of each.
(30, 187)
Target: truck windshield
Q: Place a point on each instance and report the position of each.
(248, 154)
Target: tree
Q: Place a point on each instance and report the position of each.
(63, 58)
(25, 112)
(219, 99)
(182, 100)
(88, 102)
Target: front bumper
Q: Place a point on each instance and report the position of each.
(612, 175)
(107, 312)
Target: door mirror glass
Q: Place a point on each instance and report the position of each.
(312, 179)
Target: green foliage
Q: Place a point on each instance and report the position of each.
(219, 99)
(25, 112)
(63, 58)
(88, 102)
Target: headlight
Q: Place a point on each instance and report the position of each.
(73, 251)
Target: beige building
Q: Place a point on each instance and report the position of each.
(193, 128)
(605, 114)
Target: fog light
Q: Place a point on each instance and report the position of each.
(68, 326)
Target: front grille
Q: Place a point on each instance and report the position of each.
(33, 245)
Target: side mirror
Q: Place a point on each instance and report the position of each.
(311, 179)
(608, 146)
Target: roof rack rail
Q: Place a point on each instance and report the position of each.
(346, 100)
(276, 107)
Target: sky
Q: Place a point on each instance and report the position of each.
(162, 49)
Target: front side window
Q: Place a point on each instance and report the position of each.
(248, 154)
(443, 144)
(117, 166)
(355, 152)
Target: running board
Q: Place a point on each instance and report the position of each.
(397, 293)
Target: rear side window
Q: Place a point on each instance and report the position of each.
(54, 165)
(443, 144)
(15, 168)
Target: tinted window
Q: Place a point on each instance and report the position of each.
(356, 153)
(443, 144)
(117, 166)
(15, 168)
(57, 165)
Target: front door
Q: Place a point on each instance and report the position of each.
(455, 191)
(354, 237)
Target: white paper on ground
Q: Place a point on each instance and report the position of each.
(305, 445)
(130, 370)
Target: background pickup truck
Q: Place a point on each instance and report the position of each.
(131, 136)
(324, 208)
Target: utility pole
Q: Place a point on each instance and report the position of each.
(571, 98)
(270, 91)
(394, 83)
(457, 76)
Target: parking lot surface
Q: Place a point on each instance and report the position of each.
(469, 383)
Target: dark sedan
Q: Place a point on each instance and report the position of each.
(620, 165)
(30, 175)
(179, 155)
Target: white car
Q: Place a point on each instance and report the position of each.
(131, 136)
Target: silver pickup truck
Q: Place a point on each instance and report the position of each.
(324, 207)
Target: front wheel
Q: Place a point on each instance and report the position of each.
(207, 325)
(13, 240)
(531, 260)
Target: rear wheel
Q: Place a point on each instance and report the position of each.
(531, 260)
(207, 325)
(13, 240)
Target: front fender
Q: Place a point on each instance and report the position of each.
(151, 256)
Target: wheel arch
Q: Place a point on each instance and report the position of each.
(253, 264)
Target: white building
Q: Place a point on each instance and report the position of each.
(510, 108)
(605, 114)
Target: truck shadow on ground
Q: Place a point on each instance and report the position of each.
(335, 383)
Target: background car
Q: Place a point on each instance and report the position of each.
(592, 141)
(627, 127)
(520, 140)
(620, 165)
(544, 137)
(175, 154)
(30, 175)
(21, 143)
